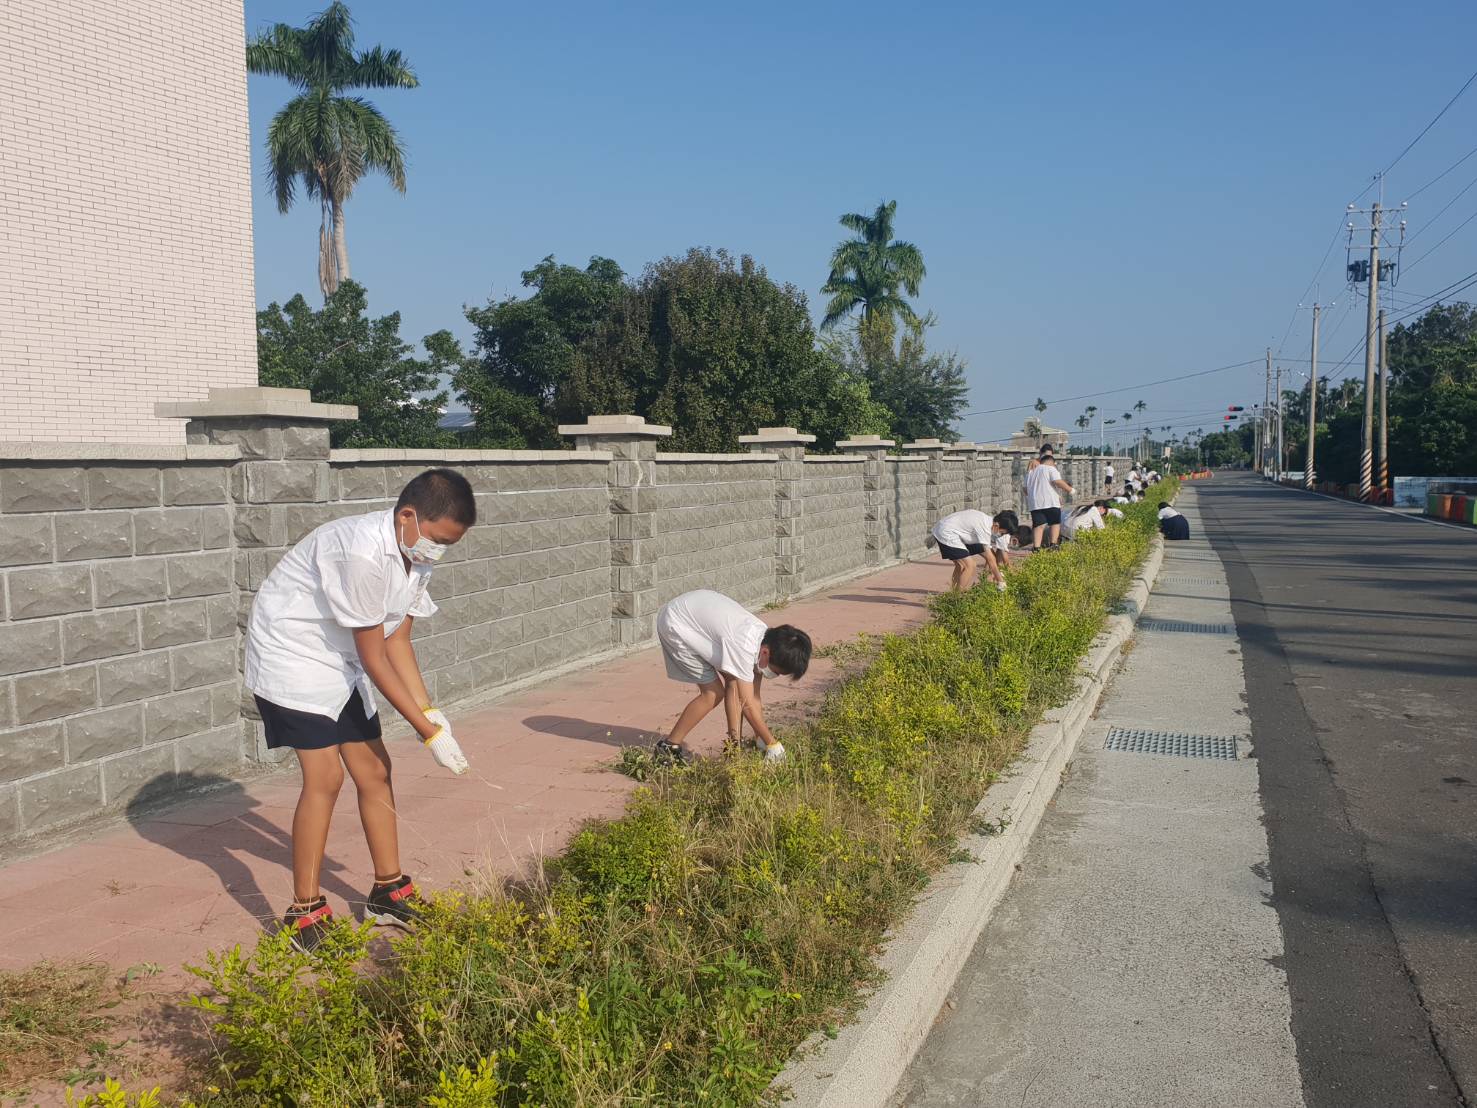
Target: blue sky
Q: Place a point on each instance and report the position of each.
(1105, 194)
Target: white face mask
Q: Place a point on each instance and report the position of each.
(765, 671)
(423, 552)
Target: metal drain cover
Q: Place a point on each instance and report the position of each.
(1185, 625)
(1193, 580)
(1139, 741)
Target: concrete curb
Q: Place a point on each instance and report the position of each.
(863, 1065)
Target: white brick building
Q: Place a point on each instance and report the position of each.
(125, 215)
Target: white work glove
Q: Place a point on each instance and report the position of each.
(443, 746)
(774, 754)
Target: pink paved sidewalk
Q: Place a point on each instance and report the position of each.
(212, 871)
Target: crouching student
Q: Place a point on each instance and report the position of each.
(1172, 525)
(1089, 517)
(718, 645)
(329, 626)
(972, 537)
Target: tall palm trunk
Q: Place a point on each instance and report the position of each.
(327, 276)
(340, 244)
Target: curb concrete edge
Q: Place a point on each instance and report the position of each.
(864, 1063)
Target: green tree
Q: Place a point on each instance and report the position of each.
(521, 385)
(924, 391)
(871, 270)
(342, 356)
(321, 138)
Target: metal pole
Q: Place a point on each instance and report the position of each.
(1384, 440)
(1277, 471)
(1371, 339)
(1308, 473)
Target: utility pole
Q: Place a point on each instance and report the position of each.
(1371, 339)
(1266, 407)
(1308, 475)
(1277, 471)
(1384, 439)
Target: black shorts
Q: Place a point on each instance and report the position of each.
(958, 553)
(1045, 516)
(310, 731)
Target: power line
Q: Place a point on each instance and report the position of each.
(1442, 243)
(1443, 173)
(1427, 225)
(1113, 392)
(1410, 145)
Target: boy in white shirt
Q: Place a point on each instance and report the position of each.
(1172, 525)
(966, 538)
(331, 624)
(717, 644)
(1044, 484)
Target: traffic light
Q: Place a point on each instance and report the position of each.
(1235, 408)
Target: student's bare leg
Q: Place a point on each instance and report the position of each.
(369, 765)
(709, 696)
(323, 776)
(1037, 532)
(968, 571)
(733, 709)
(956, 582)
(1056, 533)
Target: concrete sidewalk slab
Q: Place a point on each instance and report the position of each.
(214, 870)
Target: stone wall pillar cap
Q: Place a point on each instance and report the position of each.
(867, 440)
(608, 425)
(777, 435)
(253, 403)
(926, 444)
(962, 446)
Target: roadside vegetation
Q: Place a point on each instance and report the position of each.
(681, 953)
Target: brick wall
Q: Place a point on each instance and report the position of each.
(955, 484)
(125, 228)
(833, 518)
(714, 525)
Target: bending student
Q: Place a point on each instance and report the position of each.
(970, 537)
(718, 645)
(1172, 525)
(329, 626)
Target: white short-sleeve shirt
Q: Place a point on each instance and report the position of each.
(1087, 519)
(1040, 492)
(964, 529)
(1167, 513)
(344, 575)
(704, 633)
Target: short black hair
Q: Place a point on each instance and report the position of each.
(1025, 536)
(1164, 503)
(1048, 452)
(1103, 504)
(440, 494)
(789, 650)
(1007, 521)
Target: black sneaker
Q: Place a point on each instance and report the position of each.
(393, 905)
(672, 754)
(307, 926)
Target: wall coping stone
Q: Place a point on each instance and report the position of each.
(900, 461)
(834, 458)
(522, 456)
(607, 425)
(926, 444)
(256, 403)
(677, 456)
(114, 452)
(867, 440)
(777, 435)
(961, 447)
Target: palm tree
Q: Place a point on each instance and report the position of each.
(1040, 406)
(1083, 421)
(322, 138)
(867, 271)
(1140, 406)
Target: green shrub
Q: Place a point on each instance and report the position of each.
(681, 953)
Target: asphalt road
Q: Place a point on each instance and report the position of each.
(1359, 632)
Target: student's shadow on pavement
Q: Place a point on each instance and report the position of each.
(221, 846)
(613, 734)
(898, 600)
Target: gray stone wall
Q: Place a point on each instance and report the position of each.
(904, 506)
(715, 526)
(954, 490)
(127, 573)
(833, 519)
(117, 633)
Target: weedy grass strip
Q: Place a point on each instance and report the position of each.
(681, 953)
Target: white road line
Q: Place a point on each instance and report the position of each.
(1471, 531)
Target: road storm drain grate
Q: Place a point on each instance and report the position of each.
(1175, 743)
(1187, 626)
(1173, 580)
